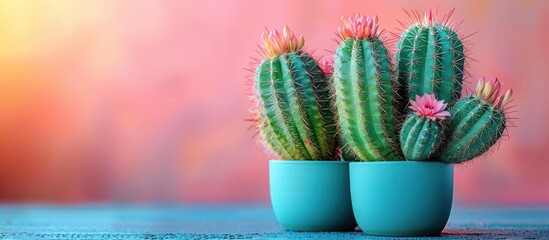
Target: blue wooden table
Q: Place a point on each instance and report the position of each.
(233, 222)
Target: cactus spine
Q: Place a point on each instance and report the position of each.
(430, 59)
(347, 153)
(364, 91)
(478, 121)
(422, 133)
(295, 119)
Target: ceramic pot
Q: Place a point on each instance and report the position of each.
(401, 198)
(311, 195)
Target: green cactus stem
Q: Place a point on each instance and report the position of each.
(344, 151)
(430, 59)
(296, 120)
(420, 137)
(364, 91)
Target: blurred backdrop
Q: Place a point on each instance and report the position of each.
(144, 101)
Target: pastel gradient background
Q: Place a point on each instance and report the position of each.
(144, 101)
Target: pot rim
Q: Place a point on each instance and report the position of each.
(283, 161)
(398, 162)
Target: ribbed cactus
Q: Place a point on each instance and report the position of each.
(295, 117)
(423, 131)
(364, 91)
(344, 151)
(478, 121)
(430, 58)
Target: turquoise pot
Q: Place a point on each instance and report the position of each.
(311, 195)
(402, 198)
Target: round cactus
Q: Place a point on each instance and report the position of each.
(422, 133)
(478, 121)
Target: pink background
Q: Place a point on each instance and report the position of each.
(144, 101)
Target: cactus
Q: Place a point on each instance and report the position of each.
(478, 121)
(343, 150)
(422, 132)
(430, 58)
(294, 118)
(364, 91)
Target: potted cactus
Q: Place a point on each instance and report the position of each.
(394, 121)
(402, 125)
(295, 121)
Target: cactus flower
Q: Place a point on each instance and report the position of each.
(327, 66)
(490, 91)
(358, 26)
(276, 44)
(428, 106)
(428, 18)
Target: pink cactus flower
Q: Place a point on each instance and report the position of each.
(490, 91)
(327, 66)
(276, 44)
(428, 106)
(428, 18)
(358, 26)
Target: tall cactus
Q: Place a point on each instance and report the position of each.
(364, 91)
(478, 121)
(295, 117)
(344, 151)
(430, 59)
(423, 131)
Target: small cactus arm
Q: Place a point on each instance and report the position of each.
(477, 122)
(364, 89)
(430, 58)
(423, 131)
(295, 119)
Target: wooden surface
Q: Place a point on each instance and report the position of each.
(234, 222)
